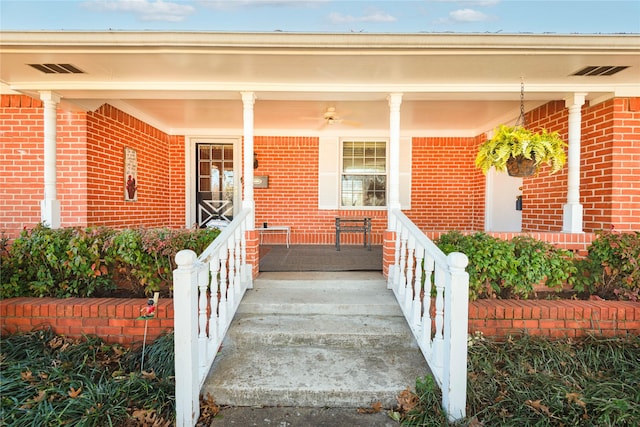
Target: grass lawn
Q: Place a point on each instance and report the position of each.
(536, 382)
(49, 380)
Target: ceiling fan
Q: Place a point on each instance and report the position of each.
(331, 117)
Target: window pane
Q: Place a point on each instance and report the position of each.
(228, 153)
(364, 167)
(205, 184)
(364, 190)
(216, 153)
(204, 153)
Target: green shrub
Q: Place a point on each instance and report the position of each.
(94, 261)
(611, 269)
(509, 269)
(145, 257)
(56, 263)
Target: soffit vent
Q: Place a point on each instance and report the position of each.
(57, 68)
(606, 70)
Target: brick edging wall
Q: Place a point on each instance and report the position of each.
(112, 319)
(115, 319)
(554, 318)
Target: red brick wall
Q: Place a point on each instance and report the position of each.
(90, 182)
(177, 182)
(611, 152)
(610, 168)
(555, 319)
(114, 320)
(443, 184)
(448, 192)
(544, 195)
(109, 132)
(292, 197)
(22, 164)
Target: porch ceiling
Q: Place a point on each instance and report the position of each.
(190, 83)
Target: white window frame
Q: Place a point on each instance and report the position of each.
(330, 172)
(341, 173)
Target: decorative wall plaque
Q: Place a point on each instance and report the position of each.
(130, 174)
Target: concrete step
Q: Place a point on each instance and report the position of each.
(316, 340)
(353, 331)
(342, 293)
(312, 376)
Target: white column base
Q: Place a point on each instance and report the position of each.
(50, 213)
(572, 218)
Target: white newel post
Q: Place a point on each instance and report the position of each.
(454, 387)
(185, 324)
(50, 206)
(248, 100)
(572, 210)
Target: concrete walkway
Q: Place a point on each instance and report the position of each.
(311, 347)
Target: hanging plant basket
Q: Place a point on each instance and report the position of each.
(512, 147)
(520, 166)
(520, 150)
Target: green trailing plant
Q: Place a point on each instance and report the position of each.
(542, 147)
(611, 268)
(509, 269)
(51, 380)
(532, 381)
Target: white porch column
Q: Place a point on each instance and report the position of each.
(572, 210)
(395, 99)
(248, 99)
(50, 206)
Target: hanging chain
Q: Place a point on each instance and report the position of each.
(521, 119)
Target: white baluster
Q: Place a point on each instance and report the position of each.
(409, 293)
(401, 282)
(438, 340)
(222, 305)
(393, 271)
(427, 321)
(231, 293)
(203, 282)
(214, 267)
(238, 276)
(246, 279)
(416, 304)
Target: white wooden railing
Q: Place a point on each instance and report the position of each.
(420, 270)
(207, 290)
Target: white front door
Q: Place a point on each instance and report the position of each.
(501, 203)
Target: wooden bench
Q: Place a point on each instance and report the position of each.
(354, 225)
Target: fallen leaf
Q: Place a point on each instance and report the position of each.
(577, 399)
(374, 409)
(149, 418)
(149, 375)
(73, 393)
(538, 406)
(407, 400)
(27, 376)
(39, 398)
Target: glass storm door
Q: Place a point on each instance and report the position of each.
(214, 181)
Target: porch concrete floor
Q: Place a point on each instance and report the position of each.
(320, 258)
